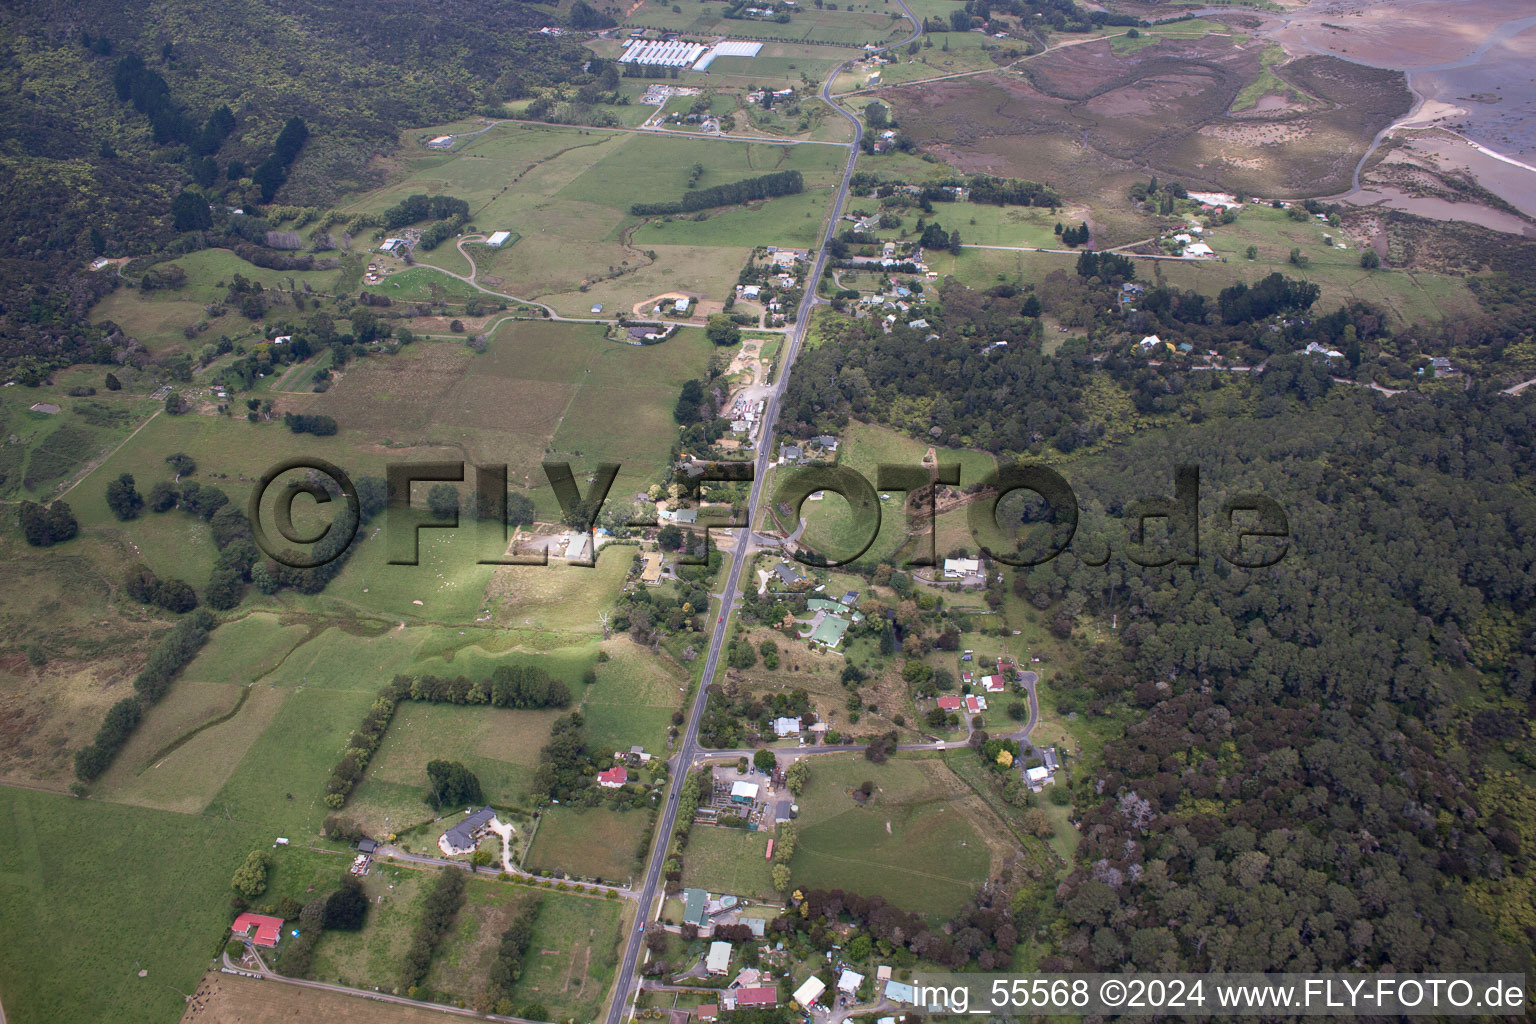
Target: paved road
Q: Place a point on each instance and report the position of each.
(624, 985)
(1519, 387)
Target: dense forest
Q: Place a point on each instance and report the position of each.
(115, 115)
(1321, 765)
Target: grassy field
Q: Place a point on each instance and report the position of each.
(915, 841)
(93, 893)
(570, 961)
(43, 453)
(830, 524)
(567, 193)
(728, 860)
(375, 955)
(592, 842)
(633, 699)
(791, 221)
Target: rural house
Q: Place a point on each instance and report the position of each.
(465, 836)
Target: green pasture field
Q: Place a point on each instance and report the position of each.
(633, 699)
(567, 193)
(589, 842)
(182, 752)
(728, 860)
(911, 843)
(894, 166)
(984, 224)
(50, 450)
(570, 961)
(500, 745)
(829, 523)
(375, 954)
(92, 893)
(575, 949)
(422, 284)
(247, 649)
(156, 318)
(559, 598)
(280, 782)
(789, 221)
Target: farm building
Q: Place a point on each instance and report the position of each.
(391, 244)
(441, 142)
(613, 778)
(783, 811)
(465, 836)
(807, 994)
(1048, 756)
(727, 48)
(719, 959)
(267, 929)
(498, 239)
(46, 408)
(578, 547)
(668, 53)
(743, 792)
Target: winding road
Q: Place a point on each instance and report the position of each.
(624, 984)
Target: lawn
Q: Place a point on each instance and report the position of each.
(376, 954)
(92, 894)
(590, 843)
(790, 221)
(633, 700)
(728, 860)
(912, 843)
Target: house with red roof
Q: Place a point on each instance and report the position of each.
(267, 929)
(975, 704)
(709, 1011)
(767, 995)
(949, 702)
(966, 677)
(993, 684)
(614, 777)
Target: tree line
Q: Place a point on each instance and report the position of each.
(766, 186)
(170, 655)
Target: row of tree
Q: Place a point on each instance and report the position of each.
(173, 652)
(766, 186)
(509, 686)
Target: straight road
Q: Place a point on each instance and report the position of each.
(625, 982)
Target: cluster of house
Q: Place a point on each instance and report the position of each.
(829, 620)
(392, 245)
(1038, 776)
(747, 414)
(1152, 345)
(757, 96)
(821, 448)
(848, 982)
(705, 910)
(1188, 245)
(618, 776)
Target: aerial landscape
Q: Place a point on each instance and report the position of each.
(729, 511)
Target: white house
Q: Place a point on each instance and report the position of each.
(498, 239)
(1036, 777)
(743, 792)
(719, 959)
(786, 726)
(807, 994)
(849, 981)
(680, 307)
(955, 568)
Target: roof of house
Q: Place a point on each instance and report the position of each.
(994, 684)
(961, 565)
(849, 597)
(900, 992)
(719, 957)
(784, 810)
(615, 776)
(949, 702)
(708, 1011)
(683, 515)
(267, 928)
(849, 981)
(787, 573)
(785, 726)
(758, 995)
(462, 835)
(973, 704)
(366, 846)
(807, 993)
(693, 905)
(1036, 774)
(1048, 755)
